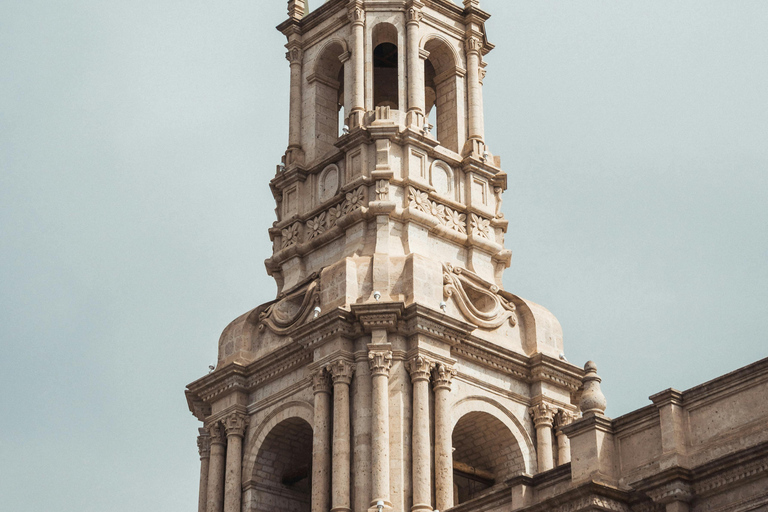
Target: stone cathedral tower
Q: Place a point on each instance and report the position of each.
(392, 368)
(393, 372)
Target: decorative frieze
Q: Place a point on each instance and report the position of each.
(447, 216)
(353, 200)
(480, 227)
(290, 235)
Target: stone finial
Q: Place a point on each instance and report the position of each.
(297, 8)
(592, 398)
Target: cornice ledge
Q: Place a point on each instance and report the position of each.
(494, 356)
(378, 315)
(590, 496)
(731, 470)
(546, 368)
(420, 319)
(672, 484)
(589, 422)
(338, 322)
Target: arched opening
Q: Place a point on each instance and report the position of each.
(283, 468)
(485, 453)
(441, 92)
(385, 66)
(328, 80)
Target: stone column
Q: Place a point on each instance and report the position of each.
(357, 17)
(341, 374)
(380, 362)
(294, 55)
(420, 368)
(473, 46)
(415, 65)
(563, 418)
(235, 425)
(321, 443)
(543, 417)
(215, 492)
(204, 448)
(443, 375)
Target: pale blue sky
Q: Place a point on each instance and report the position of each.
(137, 139)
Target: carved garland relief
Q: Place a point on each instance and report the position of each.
(478, 300)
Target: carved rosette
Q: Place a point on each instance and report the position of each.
(543, 415)
(290, 236)
(380, 362)
(235, 424)
(480, 227)
(204, 446)
(420, 368)
(353, 200)
(452, 219)
(341, 371)
(216, 433)
(321, 383)
(478, 300)
(442, 376)
(290, 310)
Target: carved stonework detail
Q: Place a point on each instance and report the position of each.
(356, 15)
(291, 310)
(294, 55)
(420, 368)
(497, 193)
(235, 424)
(448, 217)
(382, 190)
(442, 375)
(473, 45)
(354, 200)
(341, 371)
(479, 301)
(542, 414)
(380, 362)
(216, 433)
(290, 235)
(481, 72)
(321, 382)
(480, 227)
(563, 418)
(413, 15)
(676, 490)
(204, 446)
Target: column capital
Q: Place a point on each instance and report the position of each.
(443, 375)
(420, 368)
(473, 45)
(356, 14)
(235, 424)
(321, 383)
(294, 55)
(380, 361)
(542, 414)
(216, 433)
(413, 15)
(341, 371)
(563, 418)
(204, 445)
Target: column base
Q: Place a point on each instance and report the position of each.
(356, 119)
(415, 119)
(387, 506)
(421, 507)
(341, 509)
(294, 156)
(474, 148)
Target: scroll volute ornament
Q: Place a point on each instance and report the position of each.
(478, 300)
(290, 310)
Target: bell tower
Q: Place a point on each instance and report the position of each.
(392, 371)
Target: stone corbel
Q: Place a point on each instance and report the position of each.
(478, 300)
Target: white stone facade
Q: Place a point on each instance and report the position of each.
(392, 371)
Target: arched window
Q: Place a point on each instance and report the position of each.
(328, 83)
(441, 93)
(283, 468)
(485, 453)
(385, 66)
